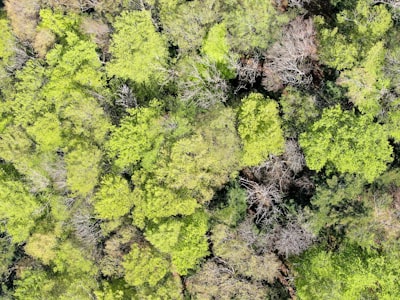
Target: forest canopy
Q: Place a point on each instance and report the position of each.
(203, 149)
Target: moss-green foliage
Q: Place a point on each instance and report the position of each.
(253, 24)
(18, 209)
(216, 47)
(342, 141)
(186, 22)
(367, 83)
(349, 273)
(137, 42)
(153, 202)
(235, 208)
(83, 168)
(114, 198)
(244, 260)
(338, 202)
(183, 239)
(205, 160)
(299, 111)
(358, 29)
(144, 265)
(260, 129)
(139, 136)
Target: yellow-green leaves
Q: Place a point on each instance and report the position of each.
(348, 143)
(183, 239)
(367, 82)
(139, 52)
(138, 135)
(114, 199)
(144, 265)
(18, 209)
(260, 129)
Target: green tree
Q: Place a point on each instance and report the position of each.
(144, 265)
(186, 23)
(18, 209)
(260, 129)
(358, 29)
(253, 25)
(205, 160)
(154, 202)
(114, 198)
(367, 83)
(182, 238)
(216, 47)
(299, 111)
(349, 273)
(137, 42)
(83, 168)
(139, 136)
(342, 141)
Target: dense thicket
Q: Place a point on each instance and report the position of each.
(205, 149)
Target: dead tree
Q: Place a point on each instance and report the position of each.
(292, 58)
(201, 83)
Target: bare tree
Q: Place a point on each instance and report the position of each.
(247, 70)
(264, 200)
(392, 3)
(126, 98)
(200, 82)
(293, 57)
(293, 239)
(87, 230)
(281, 170)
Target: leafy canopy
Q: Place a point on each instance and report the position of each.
(139, 53)
(260, 129)
(342, 141)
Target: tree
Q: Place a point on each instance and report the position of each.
(299, 109)
(294, 56)
(201, 81)
(367, 84)
(214, 281)
(186, 23)
(183, 239)
(205, 160)
(139, 136)
(358, 29)
(253, 25)
(114, 198)
(216, 47)
(136, 40)
(144, 265)
(342, 141)
(154, 202)
(259, 129)
(242, 259)
(24, 16)
(83, 168)
(349, 273)
(18, 209)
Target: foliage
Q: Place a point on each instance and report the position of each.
(182, 238)
(358, 29)
(18, 209)
(260, 129)
(342, 141)
(136, 41)
(144, 265)
(253, 25)
(114, 198)
(347, 274)
(138, 137)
